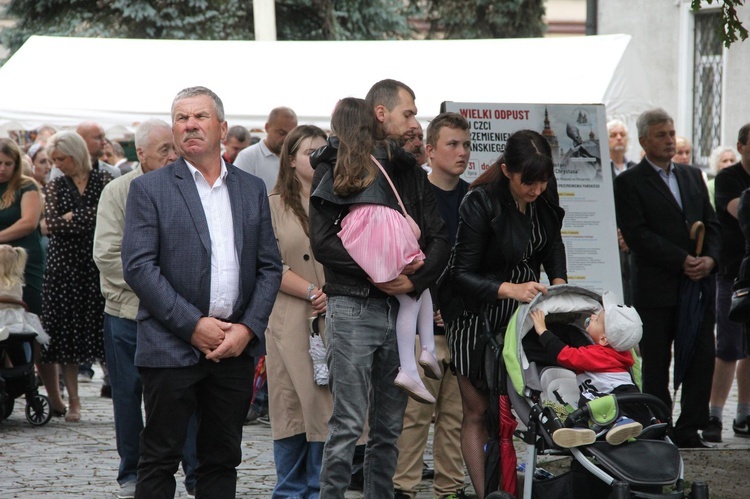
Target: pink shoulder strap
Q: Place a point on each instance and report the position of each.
(400, 203)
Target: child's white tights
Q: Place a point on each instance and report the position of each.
(414, 316)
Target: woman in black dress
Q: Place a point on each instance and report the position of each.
(509, 226)
(72, 304)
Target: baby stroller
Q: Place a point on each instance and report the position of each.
(18, 332)
(535, 390)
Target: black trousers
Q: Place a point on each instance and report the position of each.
(220, 395)
(659, 330)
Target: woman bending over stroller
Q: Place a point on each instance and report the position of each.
(601, 367)
(509, 225)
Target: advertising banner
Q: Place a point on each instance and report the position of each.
(578, 137)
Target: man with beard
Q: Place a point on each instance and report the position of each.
(363, 354)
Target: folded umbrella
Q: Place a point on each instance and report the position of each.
(691, 308)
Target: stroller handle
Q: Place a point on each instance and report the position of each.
(655, 404)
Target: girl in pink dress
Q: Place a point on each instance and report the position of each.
(381, 237)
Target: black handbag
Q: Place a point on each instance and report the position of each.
(739, 310)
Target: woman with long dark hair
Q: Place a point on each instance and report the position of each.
(509, 226)
(298, 408)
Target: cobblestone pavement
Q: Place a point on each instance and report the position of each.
(80, 460)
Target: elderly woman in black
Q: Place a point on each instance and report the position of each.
(509, 226)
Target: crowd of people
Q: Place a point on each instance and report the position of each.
(181, 271)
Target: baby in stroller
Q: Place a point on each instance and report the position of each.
(18, 330)
(602, 367)
(13, 315)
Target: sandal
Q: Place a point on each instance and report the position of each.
(59, 413)
(74, 416)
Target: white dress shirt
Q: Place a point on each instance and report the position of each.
(225, 267)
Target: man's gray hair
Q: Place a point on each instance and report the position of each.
(615, 122)
(144, 130)
(196, 91)
(650, 118)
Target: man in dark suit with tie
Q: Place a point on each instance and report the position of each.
(200, 253)
(657, 201)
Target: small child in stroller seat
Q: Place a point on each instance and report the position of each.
(601, 368)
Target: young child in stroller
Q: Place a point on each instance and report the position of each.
(601, 368)
(13, 316)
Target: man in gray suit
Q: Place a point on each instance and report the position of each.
(200, 253)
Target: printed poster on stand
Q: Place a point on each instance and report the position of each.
(580, 146)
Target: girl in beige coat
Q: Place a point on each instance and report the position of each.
(299, 408)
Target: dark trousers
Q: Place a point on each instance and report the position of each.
(219, 393)
(659, 330)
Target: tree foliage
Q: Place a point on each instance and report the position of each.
(486, 18)
(731, 28)
(205, 20)
(181, 19)
(342, 19)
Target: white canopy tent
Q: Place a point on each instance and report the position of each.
(58, 81)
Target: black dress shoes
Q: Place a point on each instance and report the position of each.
(692, 442)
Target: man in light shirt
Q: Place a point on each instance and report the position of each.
(200, 253)
(262, 159)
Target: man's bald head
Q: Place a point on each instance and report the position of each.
(281, 121)
(93, 135)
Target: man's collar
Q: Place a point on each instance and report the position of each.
(194, 170)
(265, 150)
(658, 168)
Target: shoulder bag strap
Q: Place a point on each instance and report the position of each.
(400, 203)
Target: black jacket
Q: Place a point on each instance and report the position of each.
(657, 229)
(343, 275)
(492, 237)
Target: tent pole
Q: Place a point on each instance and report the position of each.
(264, 20)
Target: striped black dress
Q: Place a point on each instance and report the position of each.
(463, 334)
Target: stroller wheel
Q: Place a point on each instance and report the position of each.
(38, 411)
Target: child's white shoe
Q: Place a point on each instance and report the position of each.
(430, 364)
(415, 388)
(573, 437)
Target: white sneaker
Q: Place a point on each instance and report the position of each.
(127, 490)
(573, 437)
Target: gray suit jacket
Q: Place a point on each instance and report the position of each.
(166, 256)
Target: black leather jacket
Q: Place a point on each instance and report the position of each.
(343, 275)
(491, 239)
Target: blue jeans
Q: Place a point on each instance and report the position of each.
(127, 394)
(363, 362)
(298, 465)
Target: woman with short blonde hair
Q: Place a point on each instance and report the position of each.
(72, 305)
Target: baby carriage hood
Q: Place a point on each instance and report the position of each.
(559, 299)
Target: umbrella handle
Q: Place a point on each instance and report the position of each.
(697, 233)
